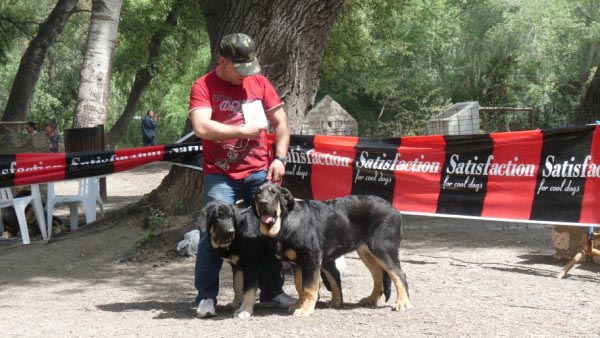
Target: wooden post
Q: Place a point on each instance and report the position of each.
(87, 139)
(531, 119)
(588, 250)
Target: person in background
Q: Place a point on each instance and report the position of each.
(31, 128)
(54, 137)
(149, 128)
(229, 108)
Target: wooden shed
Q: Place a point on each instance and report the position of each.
(327, 117)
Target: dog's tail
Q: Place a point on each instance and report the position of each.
(387, 286)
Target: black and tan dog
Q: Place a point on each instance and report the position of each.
(236, 236)
(312, 234)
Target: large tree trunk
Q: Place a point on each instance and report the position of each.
(590, 17)
(592, 94)
(291, 37)
(94, 88)
(144, 75)
(587, 67)
(589, 110)
(19, 102)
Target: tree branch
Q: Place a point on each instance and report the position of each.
(17, 25)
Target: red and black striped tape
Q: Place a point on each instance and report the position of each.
(31, 168)
(540, 175)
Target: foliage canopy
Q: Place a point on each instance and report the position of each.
(386, 60)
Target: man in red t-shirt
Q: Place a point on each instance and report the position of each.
(229, 109)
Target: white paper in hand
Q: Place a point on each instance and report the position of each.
(255, 114)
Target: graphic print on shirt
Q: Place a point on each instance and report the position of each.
(231, 151)
(228, 107)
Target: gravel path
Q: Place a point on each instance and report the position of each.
(463, 282)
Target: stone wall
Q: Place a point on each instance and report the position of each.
(23, 143)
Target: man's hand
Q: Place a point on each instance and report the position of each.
(276, 171)
(250, 131)
(278, 120)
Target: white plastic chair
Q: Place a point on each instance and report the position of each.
(19, 204)
(88, 194)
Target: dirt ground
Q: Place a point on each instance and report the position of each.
(463, 282)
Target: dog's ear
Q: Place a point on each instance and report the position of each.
(253, 204)
(202, 221)
(237, 216)
(254, 211)
(287, 199)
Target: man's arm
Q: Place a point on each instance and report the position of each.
(148, 123)
(279, 121)
(208, 129)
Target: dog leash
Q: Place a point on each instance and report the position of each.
(243, 211)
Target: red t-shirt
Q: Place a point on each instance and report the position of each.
(236, 158)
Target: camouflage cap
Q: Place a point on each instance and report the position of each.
(241, 49)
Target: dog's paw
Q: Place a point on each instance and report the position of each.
(301, 312)
(335, 305)
(242, 314)
(233, 305)
(402, 305)
(368, 301)
(294, 307)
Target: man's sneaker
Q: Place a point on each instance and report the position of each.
(281, 301)
(206, 308)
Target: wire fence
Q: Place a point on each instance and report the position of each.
(444, 223)
(460, 119)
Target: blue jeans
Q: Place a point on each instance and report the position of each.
(208, 261)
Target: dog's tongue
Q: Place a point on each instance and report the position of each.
(266, 219)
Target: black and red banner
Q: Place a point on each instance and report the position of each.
(539, 175)
(31, 168)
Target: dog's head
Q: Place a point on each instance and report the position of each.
(271, 204)
(218, 220)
